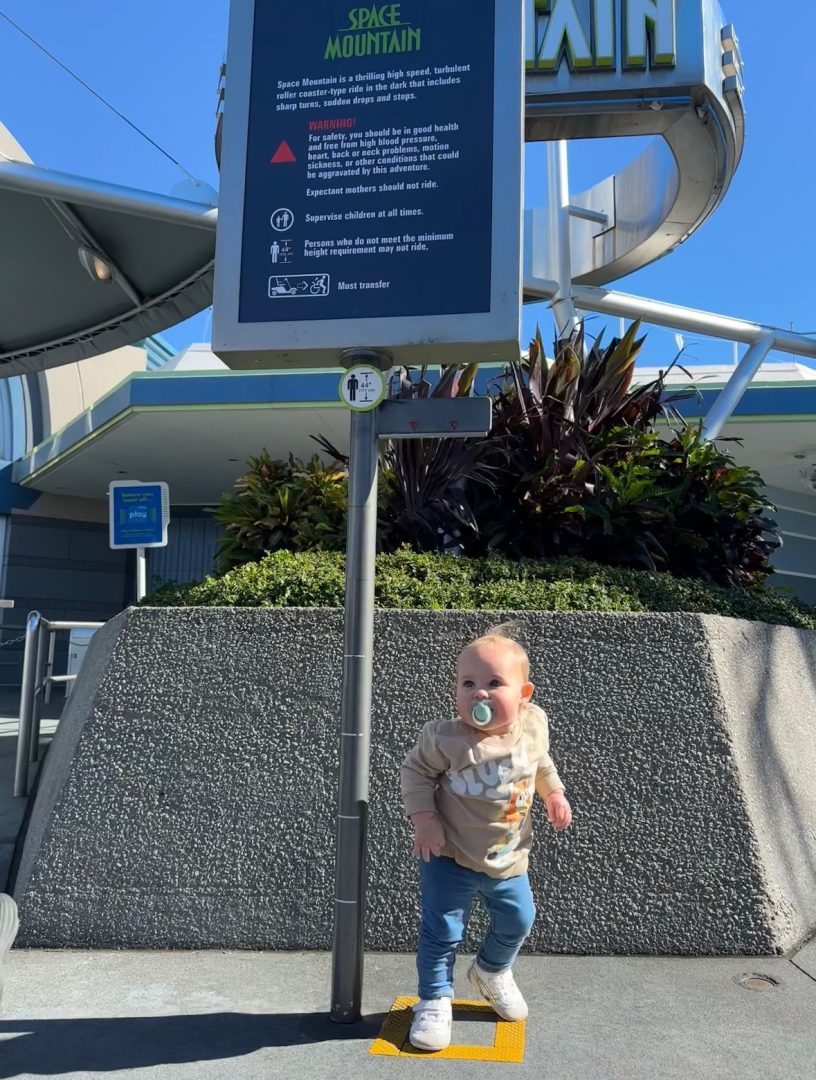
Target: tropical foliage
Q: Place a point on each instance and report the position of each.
(291, 504)
(579, 463)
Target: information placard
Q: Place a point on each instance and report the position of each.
(139, 513)
(371, 182)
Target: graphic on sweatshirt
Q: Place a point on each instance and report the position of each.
(492, 779)
(521, 798)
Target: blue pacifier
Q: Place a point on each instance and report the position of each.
(482, 713)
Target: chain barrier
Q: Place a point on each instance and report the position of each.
(14, 641)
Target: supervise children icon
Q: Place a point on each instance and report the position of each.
(362, 387)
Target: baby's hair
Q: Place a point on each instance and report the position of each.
(502, 635)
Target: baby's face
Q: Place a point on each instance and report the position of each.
(490, 672)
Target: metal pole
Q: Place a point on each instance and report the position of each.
(558, 203)
(81, 191)
(26, 703)
(141, 573)
(731, 394)
(352, 815)
(49, 667)
(39, 690)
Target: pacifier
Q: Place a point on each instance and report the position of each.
(482, 713)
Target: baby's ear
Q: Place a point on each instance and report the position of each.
(527, 690)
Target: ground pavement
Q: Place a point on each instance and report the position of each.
(203, 1015)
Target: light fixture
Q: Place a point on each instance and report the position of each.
(729, 39)
(732, 65)
(97, 267)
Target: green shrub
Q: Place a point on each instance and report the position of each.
(292, 505)
(406, 579)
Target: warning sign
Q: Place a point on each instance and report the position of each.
(283, 155)
(400, 127)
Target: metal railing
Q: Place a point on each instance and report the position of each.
(38, 678)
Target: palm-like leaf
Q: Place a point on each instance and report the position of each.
(426, 481)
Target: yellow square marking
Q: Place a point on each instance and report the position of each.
(393, 1038)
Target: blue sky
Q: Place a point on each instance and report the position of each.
(157, 62)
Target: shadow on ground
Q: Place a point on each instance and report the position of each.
(52, 1047)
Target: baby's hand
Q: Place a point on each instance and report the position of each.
(558, 810)
(429, 834)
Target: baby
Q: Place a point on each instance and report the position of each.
(467, 786)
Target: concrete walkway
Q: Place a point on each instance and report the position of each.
(202, 1015)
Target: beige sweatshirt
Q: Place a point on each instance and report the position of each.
(481, 786)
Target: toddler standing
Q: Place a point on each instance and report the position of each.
(467, 786)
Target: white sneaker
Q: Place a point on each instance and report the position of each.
(500, 990)
(9, 924)
(432, 1023)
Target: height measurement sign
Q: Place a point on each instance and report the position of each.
(371, 181)
(362, 388)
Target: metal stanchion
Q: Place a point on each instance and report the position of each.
(49, 667)
(39, 690)
(37, 676)
(26, 704)
(141, 573)
(352, 817)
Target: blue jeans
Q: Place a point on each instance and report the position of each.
(447, 891)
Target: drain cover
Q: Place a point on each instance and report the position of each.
(755, 981)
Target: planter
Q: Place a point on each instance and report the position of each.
(188, 798)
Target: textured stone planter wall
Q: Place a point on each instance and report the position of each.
(188, 798)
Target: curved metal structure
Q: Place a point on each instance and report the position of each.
(692, 100)
(88, 266)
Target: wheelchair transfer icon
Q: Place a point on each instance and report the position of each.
(299, 285)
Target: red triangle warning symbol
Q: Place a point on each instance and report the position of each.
(283, 155)
(454, 424)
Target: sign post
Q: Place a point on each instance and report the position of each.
(139, 514)
(370, 216)
(358, 655)
(362, 387)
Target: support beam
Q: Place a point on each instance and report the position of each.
(81, 191)
(558, 203)
(589, 215)
(731, 394)
(658, 313)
